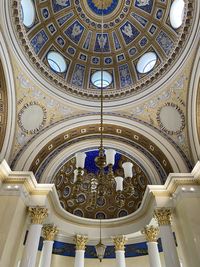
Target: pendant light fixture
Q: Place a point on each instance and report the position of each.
(100, 248)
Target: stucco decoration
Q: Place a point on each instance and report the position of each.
(3, 106)
(132, 28)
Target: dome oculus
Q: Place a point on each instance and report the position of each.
(28, 12)
(146, 62)
(104, 75)
(56, 61)
(177, 13)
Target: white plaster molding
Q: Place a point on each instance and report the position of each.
(155, 196)
(68, 152)
(26, 158)
(109, 105)
(10, 86)
(192, 107)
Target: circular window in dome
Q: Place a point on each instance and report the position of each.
(177, 13)
(101, 79)
(56, 61)
(28, 12)
(147, 62)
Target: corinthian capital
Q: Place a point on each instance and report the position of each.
(163, 216)
(81, 241)
(151, 233)
(49, 231)
(37, 214)
(119, 242)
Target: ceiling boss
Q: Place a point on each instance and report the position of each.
(107, 6)
(106, 3)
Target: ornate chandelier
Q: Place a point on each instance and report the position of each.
(104, 183)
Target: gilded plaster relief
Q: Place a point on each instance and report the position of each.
(73, 32)
(3, 106)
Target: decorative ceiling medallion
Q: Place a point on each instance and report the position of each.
(171, 118)
(131, 29)
(105, 208)
(106, 7)
(32, 117)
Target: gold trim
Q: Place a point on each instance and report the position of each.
(163, 216)
(38, 214)
(119, 242)
(151, 233)
(81, 241)
(49, 231)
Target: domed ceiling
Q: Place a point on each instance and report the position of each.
(63, 45)
(106, 207)
(64, 40)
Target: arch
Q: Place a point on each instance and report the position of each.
(28, 156)
(194, 108)
(11, 99)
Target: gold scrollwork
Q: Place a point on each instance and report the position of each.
(81, 241)
(151, 233)
(49, 231)
(119, 242)
(163, 216)
(37, 214)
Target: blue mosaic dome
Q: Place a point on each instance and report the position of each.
(131, 28)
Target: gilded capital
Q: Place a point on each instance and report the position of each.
(81, 241)
(37, 214)
(163, 216)
(119, 242)
(49, 231)
(151, 233)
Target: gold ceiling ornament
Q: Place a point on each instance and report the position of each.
(163, 216)
(38, 214)
(120, 242)
(151, 233)
(106, 3)
(81, 242)
(49, 231)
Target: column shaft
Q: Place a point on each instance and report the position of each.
(45, 259)
(154, 257)
(120, 258)
(169, 247)
(31, 246)
(79, 258)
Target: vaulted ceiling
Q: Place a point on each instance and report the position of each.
(147, 113)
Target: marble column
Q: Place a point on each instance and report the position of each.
(151, 234)
(80, 250)
(37, 215)
(48, 232)
(119, 242)
(163, 216)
